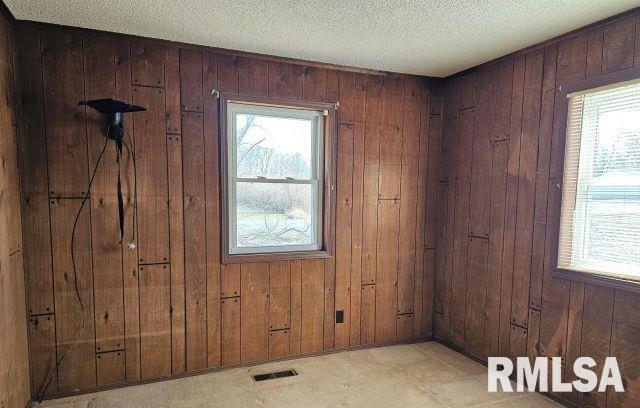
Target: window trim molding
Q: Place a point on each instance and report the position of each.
(328, 178)
(562, 93)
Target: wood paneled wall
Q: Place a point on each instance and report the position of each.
(14, 360)
(498, 201)
(169, 306)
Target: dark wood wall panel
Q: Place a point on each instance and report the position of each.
(509, 109)
(168, 306)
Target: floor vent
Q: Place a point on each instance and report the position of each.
(273, 376)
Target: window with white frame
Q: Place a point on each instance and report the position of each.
(600, 217)
(274, 178)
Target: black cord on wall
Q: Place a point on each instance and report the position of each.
(50, 376)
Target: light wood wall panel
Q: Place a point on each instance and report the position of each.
(14, 347)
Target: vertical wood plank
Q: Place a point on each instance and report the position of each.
(100, 81)
(254, 320)
(461, 226)
(371, 165)
(129, 255)
(253, 76)
(526, 187)
(426, 324)
(278, 344)
(151, 161)
(619, 42)
(172, 88)
(410, 158)
(279, 295)
(147, 68)
(195, 279)
(191, 80)
(344, 207)
(542, 176)
(343, 218)
(314, 84)
(357, 200)
(624, 344)
(511, 203)
(439, 278)
(212, 208)
(296, 307)
(500, 161)
(329, 263)
(451, 123)
(476, 296)
(64, 119)
(33, 172)
(75, 329)
(177, 232)
(555, 292)
(312, 306)
(482, 148)
(427, 187)
(42, 343)
(368, 315)
(285, 80)
(467, 91)
(386, 305)
(404, 327)
(111, 368)
(227, 73)
(230, 280)
(230, 331)
(155, 321)
(533, 336)
(501, 129)
(518, 342)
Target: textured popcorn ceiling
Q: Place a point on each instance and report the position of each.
(427, 37)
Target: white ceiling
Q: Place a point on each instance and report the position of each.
(426, 37)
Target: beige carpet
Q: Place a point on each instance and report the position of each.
(412, 375)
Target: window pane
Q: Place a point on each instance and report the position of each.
(612, 233)
(272, 214)
(273, 147)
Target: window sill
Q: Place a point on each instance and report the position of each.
(604, 280)
(275, 256)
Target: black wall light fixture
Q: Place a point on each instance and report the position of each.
(113, 110)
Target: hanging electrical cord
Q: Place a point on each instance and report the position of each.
(51, 374)
(132, 149)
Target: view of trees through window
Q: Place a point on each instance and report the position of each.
(275, 188)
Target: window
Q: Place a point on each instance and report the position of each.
(600, 217)
(276, 203)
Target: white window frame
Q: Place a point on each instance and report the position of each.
(605, 272)
(316, 180)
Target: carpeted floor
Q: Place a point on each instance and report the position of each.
(412, 375)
